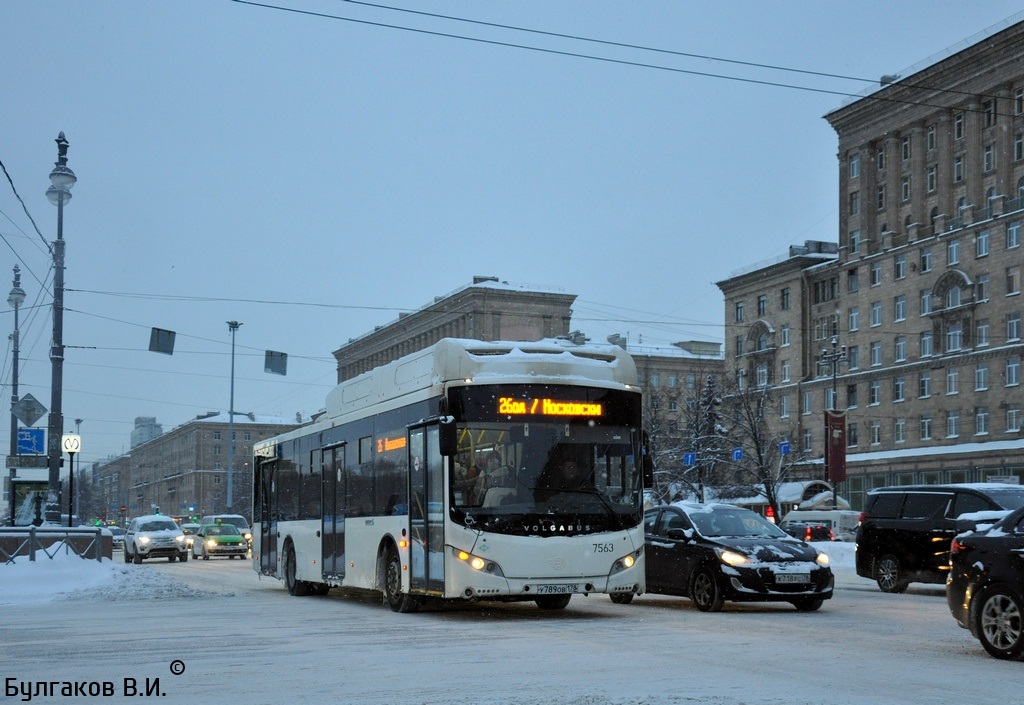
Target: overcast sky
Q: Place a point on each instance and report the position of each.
(312, 177)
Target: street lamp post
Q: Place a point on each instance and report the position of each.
(16, 298)
(59, 193)
(831, 358)
(233, 326)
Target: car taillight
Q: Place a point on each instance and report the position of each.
(956, 547)
(807, 534)
(831, 535)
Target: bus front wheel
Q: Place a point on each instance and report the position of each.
(553, 602)
(393, 595)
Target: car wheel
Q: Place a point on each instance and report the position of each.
(206, 554)
(137, 558)
(397, 600)
(553, 602)
(127, 556)
(998, 623)
(621, 598)
(183, 557)
(295, 587)
(889, 574)
(808, 604)
(705, 593)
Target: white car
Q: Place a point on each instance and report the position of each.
(154, 536)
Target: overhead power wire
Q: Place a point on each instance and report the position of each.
(24, 207)
(621, 62)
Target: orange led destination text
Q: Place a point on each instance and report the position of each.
(549, 407)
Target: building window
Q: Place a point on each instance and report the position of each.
(876, 313)
(784, 406)
(930, 137)
(762, 375)
(876, 273)
(691, 381)
(958, 126)
(988, 107)
(981, 377)
(900, 307)
(808, 440)
(1013, 326)
(880, 159)
(855, 203)
(785, 334)
(952, 380)
(905, 188)
(926, 427)
(784, 299)
(854, 166)
(988, 158)
(739, 311)
(899, 266)
(981, 288)
(853, 357)
(899, 430)
(216, 435)
(905, 148)
(880, 191)
(854, 242)
(1013, 370)
(926, 301)
(926, 259)
(875, 433)
(876, 354)
(1013, 234)
(1013, 417)
(924, 384)
(1012, 281)
(854, 318)
(785, 370)
(981, 333)
(953, 252)
(1018, 101)
(673, 381)
(852, 283)
(930, 179)
(952, 424)
(739, 345)
(958, 169)
(1018, 146)
(808, 402)
(851, 396)
(901, 348)
(981, 243)
(954, 337)
(762, 304)
(851, 435)
(926, 344)
(953, 298)
(655, 380)
(874, 392)
(899, 389)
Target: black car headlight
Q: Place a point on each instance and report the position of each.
(733, 558)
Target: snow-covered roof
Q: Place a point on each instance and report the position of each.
(990, 446)
(240, 418)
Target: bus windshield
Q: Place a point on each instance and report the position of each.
(526, 478)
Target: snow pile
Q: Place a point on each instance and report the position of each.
(66, 576)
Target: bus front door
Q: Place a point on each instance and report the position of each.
(426, 511)
(333, 529)
(268, 518)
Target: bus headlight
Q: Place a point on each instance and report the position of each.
(477, 563)
(626, 562)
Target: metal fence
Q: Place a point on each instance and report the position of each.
(28, 542)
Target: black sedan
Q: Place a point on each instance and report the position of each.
(717, 552)
(985, 588)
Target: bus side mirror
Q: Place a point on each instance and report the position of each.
(648, 471)
(447, 436)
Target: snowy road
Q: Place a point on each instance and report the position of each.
(243, 640)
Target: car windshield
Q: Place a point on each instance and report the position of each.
(1008, 498)
(719, 521)
(223, 530)
(159, 526)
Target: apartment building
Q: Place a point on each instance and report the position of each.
(922, 297)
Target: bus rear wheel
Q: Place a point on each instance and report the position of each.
(298, 588)
(393, 595)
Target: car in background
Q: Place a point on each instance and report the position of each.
(842, 522)
(189, 530)
(713, 553)
(236, 520)
(809, 531)
(985, 589)
(118, 536)
(154, 536)
(219, 540)
(905, 532)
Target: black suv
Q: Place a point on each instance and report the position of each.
(905, 532)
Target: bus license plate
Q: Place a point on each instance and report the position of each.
(557, 589)
(793, 578)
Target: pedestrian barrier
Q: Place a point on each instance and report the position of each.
(28, 542)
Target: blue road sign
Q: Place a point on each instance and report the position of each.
(737, 454)
(31, 441)
(689, 459)
(784, 448)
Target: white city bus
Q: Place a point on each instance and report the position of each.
(433, 476)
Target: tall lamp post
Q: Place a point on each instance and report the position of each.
(831, 358)
(59, 193)
(233, 326)
(16, 298)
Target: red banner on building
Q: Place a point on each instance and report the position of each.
(835, 445)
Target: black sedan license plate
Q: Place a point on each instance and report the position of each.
(793, 578)
(557, 589)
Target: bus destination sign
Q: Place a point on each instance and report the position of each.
(548, 407)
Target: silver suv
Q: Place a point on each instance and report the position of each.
(152, 536)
